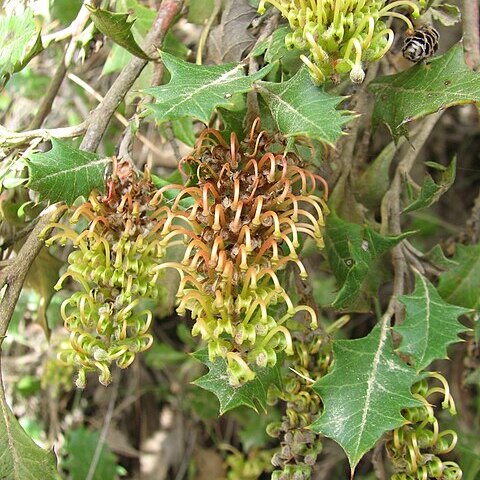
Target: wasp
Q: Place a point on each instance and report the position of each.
(422, 44)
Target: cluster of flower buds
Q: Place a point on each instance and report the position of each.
(416, 447)
(299, 445)
(114, 262)
(340, 34)
(248, 466)
(251, 203)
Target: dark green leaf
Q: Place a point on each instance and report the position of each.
(253, 394)
(364, 393)
(196, 90)
(353, 253)
(65, 11)
(119, 57)
(183, 130)
(117, 27)
(373, 184)
(431, 191)
(438, 259)
(302, 109)
(461, 284)
(81, 445)
(21, 458)
(20, 40)
(430, 324)
(424, 89)
(65, 173)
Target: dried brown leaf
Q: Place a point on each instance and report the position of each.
(231, 38)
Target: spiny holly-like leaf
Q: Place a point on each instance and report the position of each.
(302, 109)
(364, 393)
(461, 284)
(64, 173)
(431, 191)
(354, 253)
(424, 89)
(253, 394)
(20, 457)
(117, 27)
(20, 40)
(196, 90)
(430, 324)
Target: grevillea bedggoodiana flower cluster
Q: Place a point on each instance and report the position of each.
(341, 34)
(416, 448)
(114, 261)
(252, 202)
(299, 444)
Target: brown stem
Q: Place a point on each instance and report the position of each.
(391, 212)
(253, 108)
(471, 36)
(12, 277)
(100, 117)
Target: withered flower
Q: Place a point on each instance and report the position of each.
(114, 260)
(252, 201)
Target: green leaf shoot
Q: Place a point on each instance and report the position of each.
(431, 191)
(354, 253)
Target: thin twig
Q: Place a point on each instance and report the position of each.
(9, 138)
(206, 30)
(47, 101)
(73, 30)
(391, 212)
(89, 89)
(100, 117)
(471, 36)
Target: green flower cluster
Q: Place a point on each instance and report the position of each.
(417, 446)
(299, 445)
(251, 202)
(114, 262)
(340, 34)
